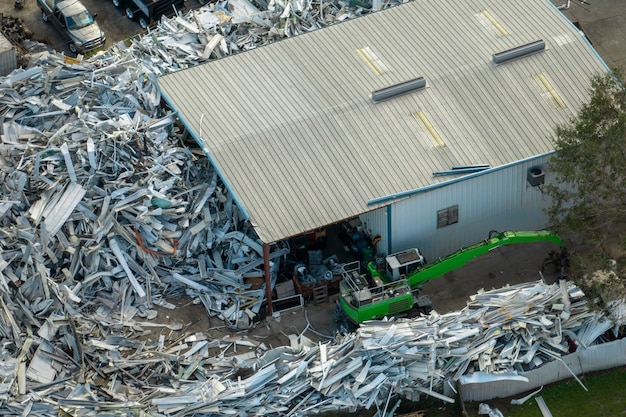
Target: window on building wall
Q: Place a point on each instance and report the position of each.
(447, 216)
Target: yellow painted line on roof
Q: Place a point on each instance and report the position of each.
(549, 88)
(372, 61)
(494, 22)
(429, 126)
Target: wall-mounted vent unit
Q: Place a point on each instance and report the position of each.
(396, 90)
(536, 176)
(518, 52)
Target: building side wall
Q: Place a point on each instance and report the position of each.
(499, 200)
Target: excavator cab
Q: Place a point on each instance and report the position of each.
(400, 265)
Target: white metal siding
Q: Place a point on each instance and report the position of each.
(500, 200)
(376, 222)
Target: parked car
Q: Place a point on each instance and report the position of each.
(147, 12)
(75, 22)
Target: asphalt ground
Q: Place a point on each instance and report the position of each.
(604, 23)
(116, 26)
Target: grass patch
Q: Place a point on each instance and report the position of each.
(604, 398)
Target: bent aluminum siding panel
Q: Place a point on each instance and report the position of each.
(291, 127)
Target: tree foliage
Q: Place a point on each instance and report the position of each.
(589, 164)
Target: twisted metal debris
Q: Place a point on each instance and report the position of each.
(105, 211)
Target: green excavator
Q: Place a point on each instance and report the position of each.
(377, 294)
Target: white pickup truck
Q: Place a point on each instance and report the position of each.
(75, 22)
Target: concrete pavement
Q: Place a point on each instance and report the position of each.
(604, 23)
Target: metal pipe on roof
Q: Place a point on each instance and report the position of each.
(517, 52)
(462, 170)
(398, 89)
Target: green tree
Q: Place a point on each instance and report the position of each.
(589, 164)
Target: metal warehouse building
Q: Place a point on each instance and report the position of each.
(431, 121)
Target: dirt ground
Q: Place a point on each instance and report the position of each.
(507, 265)
(315, 321)
(504, 266)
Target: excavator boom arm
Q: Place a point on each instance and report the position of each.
(464, 255)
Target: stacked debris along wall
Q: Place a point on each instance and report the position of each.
(595, 358)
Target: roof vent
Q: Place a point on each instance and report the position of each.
(520, 51)
(395, 90)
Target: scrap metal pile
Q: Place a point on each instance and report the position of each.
(14, 29)
(106, 212)
(100, 192)
(499, 333)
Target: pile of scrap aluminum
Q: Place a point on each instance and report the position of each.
(105, 213)
(232, 26)
(98, 184)
(100, 195)
(14, 29)
(84, 369)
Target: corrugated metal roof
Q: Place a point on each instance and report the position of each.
(292, 129)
